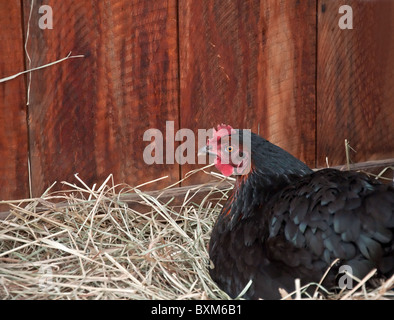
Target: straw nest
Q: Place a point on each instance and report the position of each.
(89, 243)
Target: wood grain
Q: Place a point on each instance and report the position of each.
(88, 115)
(250, 64)
(13, 126)
(355, 81)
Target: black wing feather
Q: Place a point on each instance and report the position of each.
(301, 229)
(353, 219)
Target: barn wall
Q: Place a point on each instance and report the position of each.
(283, 68)
(250, 64)
(13, 125)
(355, 81)
(88, 115)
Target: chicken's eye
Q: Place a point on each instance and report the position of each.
(229, 148)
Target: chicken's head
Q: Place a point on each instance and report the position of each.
(232, 155)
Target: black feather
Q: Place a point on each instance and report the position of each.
(283, 221)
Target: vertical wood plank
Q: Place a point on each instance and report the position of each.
(88, 115)
(355, 82)
(250, 64)
(13, 126)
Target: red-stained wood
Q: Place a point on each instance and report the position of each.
(13, 127)
(88, 115)
(250, 64)
(355, 80)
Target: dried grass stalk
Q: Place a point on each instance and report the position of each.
(97, 247)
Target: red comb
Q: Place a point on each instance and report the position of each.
(224, 126)
(221, 131)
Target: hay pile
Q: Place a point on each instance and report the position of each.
(88, 243)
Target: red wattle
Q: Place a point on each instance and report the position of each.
(225, 169)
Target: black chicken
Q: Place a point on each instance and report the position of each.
(283, 221)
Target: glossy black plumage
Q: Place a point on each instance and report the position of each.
(283, 221)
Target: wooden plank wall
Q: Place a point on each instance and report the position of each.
(250, 64)
(88, 115)
(355, 81)
(283, 68)
(13, 129)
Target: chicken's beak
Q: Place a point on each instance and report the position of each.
(205, 150)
